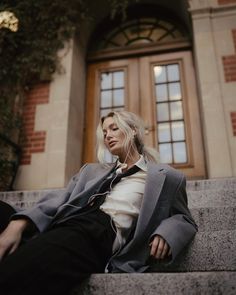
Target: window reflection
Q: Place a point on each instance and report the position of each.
(162, 112)
(176, 110)
(179, 152)
(165, 153)
(106, 99)
(174, 91)
(160, 74)
(173, 72)
(161, 92)
(118, 79)
(178, 131)
(106, 81)
(164, 132)
(118, 98)
(112, 94)
(170, 116)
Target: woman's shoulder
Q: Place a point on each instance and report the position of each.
(167, 169)
(96, 167)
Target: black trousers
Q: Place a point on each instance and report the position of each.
(57, 260)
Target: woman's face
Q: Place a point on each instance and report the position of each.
(113, 137)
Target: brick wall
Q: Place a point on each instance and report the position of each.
(223, 2)
(233, 120)
(33, 141)
(229, 63)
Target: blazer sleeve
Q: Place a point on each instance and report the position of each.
(43, 212)
(179, 229)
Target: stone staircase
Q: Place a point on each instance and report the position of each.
(207, 266)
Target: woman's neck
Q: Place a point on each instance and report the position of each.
(130, 160)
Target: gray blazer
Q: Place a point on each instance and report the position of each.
(164, 212)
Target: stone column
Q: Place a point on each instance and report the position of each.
(209, 37)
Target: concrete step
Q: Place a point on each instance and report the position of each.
(221, 197)
(212, 198)
(198, 283)
(24, 199)
(207, 218)
(214, 219)
(209, 251)
(217, 183)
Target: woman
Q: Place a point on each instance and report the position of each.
(111, 216)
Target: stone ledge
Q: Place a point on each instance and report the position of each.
(217, 183)
(209, 251)
(214, 219)
(208, 283)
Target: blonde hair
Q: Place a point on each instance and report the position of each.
(127, 122)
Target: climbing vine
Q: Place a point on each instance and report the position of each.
(31, 34)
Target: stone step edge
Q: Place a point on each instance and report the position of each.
(192, 185)
(40, 193)
(223, 282)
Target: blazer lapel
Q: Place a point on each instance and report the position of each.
(83, 196)
(154, 183)
(102, 175)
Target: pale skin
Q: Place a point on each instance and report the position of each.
(113, 139)
(10, 238)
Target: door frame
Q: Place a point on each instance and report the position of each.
(133, 66)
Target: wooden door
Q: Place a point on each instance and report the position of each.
(162, 90)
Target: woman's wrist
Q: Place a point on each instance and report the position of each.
(19, 224)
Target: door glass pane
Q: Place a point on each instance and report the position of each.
(160, 74)
(118, 79)
(170, 116)
(118, 97)
(161, 92)
(180, 155)
(162, 112)
(112, 93)
(173, 72)
(164, 132)
(106, 81)
(165, 153)
(106, 98)
(174, 91)
(178, 131)
(176, 110)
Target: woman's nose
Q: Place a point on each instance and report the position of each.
(108, 134)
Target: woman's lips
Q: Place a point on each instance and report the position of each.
(112, 143)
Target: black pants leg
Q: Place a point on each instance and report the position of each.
(57, 260)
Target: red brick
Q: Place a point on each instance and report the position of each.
(36, 150)
(229, 62)
(223, 2)
(33, 141)
(233, 121)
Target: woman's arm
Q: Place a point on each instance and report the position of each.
(177, 230)
(43, 212)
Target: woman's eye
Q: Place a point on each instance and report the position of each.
(114, 129)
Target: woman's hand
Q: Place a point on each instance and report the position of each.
(159, 248)
(10, 238)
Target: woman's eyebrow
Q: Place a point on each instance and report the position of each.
(109, 126)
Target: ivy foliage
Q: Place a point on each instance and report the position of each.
(29, 56)
(43, 28)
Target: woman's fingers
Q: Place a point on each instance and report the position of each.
(159, 248)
